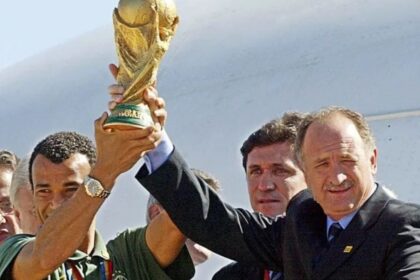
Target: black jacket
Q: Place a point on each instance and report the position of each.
(381, 242)
(239, 271)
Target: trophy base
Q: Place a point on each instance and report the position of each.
(129, 116)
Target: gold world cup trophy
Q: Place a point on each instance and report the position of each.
(143, 30)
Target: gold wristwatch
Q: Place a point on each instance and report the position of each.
(94, 188)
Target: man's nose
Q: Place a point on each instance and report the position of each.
(337, 175)
(2, 218)
(57, 200)
(266, 182)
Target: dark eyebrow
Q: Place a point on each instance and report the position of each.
(72, 184)
(42, 186)
(281, 165)
(66, 184)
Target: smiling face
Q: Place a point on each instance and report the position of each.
(273, 178)
(56, 183)
(338, 166)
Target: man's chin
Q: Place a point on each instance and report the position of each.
(271, 212)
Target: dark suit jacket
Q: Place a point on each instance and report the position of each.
(239, 271)
(381, 242)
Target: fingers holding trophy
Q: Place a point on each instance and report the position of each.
(143, 31)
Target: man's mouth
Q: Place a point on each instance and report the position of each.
(339, 189)
(266, 201)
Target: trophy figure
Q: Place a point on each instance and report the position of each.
(143, 30)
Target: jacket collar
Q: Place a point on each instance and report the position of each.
(353, 236)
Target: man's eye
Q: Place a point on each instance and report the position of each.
(255, 172)
(280, 171)
(42, 192)
(72, 189)
(322, 164)
(6, 207)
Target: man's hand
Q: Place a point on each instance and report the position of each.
(119, 150)
(149, 95)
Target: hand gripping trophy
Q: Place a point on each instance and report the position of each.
(143, 30)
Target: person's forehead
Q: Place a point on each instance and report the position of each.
(43, 168)
(5, 177)
(336, 127)
(74, 161)
(274, 153)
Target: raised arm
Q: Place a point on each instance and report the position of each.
(203, 217)
(70, 226)
(164, 239)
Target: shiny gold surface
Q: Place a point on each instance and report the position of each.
(143, 30)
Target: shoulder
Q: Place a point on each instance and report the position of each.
(128, 237)
(11, 248)
(302, 204)
(399, 211)
(15, 242)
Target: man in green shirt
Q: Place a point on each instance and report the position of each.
(70, 185)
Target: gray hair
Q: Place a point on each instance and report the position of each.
(358, 120)
(151, 201)
(20, 180)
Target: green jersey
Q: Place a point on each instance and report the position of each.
(125, 257)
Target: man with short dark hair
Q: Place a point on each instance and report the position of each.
(272, 173)
(70, 185)
(273, 178)
(345, 227)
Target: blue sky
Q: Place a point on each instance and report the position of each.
(28, 27)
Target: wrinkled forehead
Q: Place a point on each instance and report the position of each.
(344, 143)
(335, 133)
(278, 153)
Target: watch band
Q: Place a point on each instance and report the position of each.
(104, 194)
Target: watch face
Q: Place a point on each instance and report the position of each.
(95, 189)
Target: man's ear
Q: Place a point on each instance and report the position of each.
(154, 210)
(374, 161)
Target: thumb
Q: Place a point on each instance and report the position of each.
(114, 70)
(99, 123)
